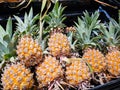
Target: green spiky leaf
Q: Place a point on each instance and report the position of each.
(9, 27)
(111, 34)
(86, 27)
(24, 27)
(55, 18)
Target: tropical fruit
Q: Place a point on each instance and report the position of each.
(48, 71)
(28, 50)
(88, 43)
(111, 39)
(17, 77)
(58, 45)
(77, 72)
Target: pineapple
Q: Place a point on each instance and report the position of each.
(111, 38)
(77, 72)
(48, 71)
(17, 77)
(28, 50)
(58, 44)
(88, 43)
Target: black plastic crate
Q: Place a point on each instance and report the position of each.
(72, 11)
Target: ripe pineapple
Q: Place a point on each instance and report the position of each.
(58, 44)
(28, 50)
(17, 77)
(87, 42)
(96, 59)
(77, 72)
(48, 71)
(111, 38)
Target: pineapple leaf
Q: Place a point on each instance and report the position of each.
(2, 32)
(86, 27)
(111, 34)
(24, 27)
(3, 48)
(55, 18)
(9, 27)
(6, 38)
(20, 24)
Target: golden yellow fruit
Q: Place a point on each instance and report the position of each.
(77, 71)
(113, 62)
(96, 60)
(17, 77)
(48, 71)
(29, 51)
(59, 45)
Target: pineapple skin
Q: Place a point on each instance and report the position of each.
(58, 45)
(77, 72)
(29, 51)
(96, 60)
(48, 71)
(17, 77)
(113, 62)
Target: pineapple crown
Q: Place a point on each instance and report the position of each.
(27, 26)
(86, 32)
(111, 33)
(7, 42)
(55, 18)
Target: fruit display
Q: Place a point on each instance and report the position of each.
(42, 53)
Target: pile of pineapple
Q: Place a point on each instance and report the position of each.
(59, 57)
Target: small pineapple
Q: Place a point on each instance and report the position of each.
(111, 38)
(58, 44)
(96, 59)
(77, 72)
(28, 50)
(88, 43)
(17, 77)
(48, 71)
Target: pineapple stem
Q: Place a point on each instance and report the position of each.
(41, 21)
(64, 83)
(59, 85)
(40, 32)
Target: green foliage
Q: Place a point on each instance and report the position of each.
(111, 33)
(27, 26)
(86, 26)
(7, 42)
(55, 18)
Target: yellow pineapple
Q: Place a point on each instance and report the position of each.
(28, 50)
(88, 42)
(111, 37)
(96, 59)
(48, 71)
(77, 72)
(17, 77)
(58, 44)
